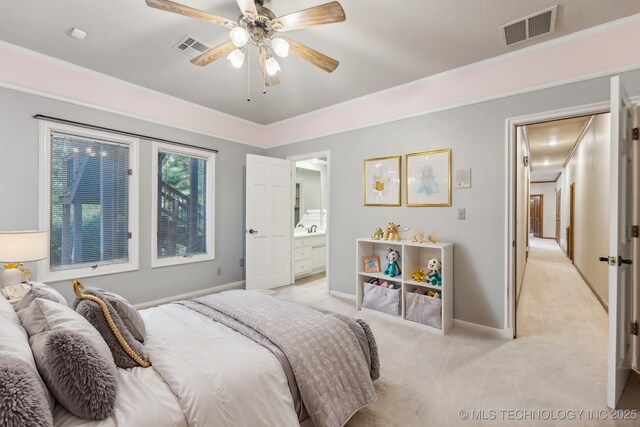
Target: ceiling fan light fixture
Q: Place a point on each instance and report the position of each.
(236, 57)
(239, 36)
(280, 47)
(271, 66)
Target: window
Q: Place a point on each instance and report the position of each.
(182, 205)
(88, 202)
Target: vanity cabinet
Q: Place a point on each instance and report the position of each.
(309, 254)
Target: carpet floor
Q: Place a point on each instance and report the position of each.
(554, 373)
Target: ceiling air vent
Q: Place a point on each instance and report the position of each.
(531, 26)
(190, 46)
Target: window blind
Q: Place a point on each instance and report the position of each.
(89, 201)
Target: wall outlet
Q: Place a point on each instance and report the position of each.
(241, 262)
(219, 271)
(462, 213)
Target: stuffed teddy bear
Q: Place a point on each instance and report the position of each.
(419, 275)
(392, 269)
(392, 232)
(377, 235)
(434, 277)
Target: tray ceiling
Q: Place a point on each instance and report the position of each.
(381, 45)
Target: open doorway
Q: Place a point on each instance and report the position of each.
(310, 220)
(586, 216)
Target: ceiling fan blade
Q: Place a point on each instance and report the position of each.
(316, 58)
(214, 53)
(262, 56)
(248, 6)
(324, 14)
(181, 9)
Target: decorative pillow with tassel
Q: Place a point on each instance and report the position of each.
(126, 350)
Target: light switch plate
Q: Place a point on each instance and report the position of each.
(462, 212)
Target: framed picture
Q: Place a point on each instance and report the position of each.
(381, 181)
(371, 264)
(429, 178)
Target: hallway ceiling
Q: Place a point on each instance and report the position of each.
(382, 44)
(550, 145)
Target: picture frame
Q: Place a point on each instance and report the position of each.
(428, 178)
(371, 264)
(381, 184)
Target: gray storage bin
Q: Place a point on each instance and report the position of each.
(382, 299)
(423, 309)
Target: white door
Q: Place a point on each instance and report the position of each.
(268, 222)
(620, 244)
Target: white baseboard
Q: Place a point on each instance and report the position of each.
(342, 295)
(190, 295)
(488, 330)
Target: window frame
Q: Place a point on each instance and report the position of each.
(44, 267)
(210, 157)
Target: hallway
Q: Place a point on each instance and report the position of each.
(558, 310)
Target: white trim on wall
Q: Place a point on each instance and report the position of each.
(44, 202)
(210, 158)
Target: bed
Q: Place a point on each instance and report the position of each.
(208, 371)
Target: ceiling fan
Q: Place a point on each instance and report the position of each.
(260, 27)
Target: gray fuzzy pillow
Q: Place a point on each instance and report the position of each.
(23, 400)
(91, 311)
(128, 313)
(82, 380)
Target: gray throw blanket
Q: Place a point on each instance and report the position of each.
(330, 365)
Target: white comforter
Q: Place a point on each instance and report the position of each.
(203, 374)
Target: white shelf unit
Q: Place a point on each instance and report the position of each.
(413, 256)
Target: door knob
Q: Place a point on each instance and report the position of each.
(624, 261)
(604, 259)
(252, 231)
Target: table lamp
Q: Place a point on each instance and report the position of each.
(17, 247)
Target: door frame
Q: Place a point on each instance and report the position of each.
(571, 237)
(510, 212)
(511, 124)
(541, 213)
(557, 224)
(308, 156)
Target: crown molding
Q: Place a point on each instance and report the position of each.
(36, 73)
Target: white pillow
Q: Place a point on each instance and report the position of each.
(40, 290)
(14, 341)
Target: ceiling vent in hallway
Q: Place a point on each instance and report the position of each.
(190, 46)
(535, 25)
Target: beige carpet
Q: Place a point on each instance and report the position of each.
(557, 363)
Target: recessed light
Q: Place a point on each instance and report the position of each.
(546, 163)
(552, 142)
(77, 33)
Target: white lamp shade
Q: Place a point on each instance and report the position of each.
(236, 58)
(272, 66)
(239, 36)
(23, 246)
(280, 47)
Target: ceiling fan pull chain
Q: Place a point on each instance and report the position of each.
(264, 86)
(248, 74)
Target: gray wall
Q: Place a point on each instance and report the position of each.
(19, 195)
(476, 134)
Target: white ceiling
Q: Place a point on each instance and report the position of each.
(546, 157)
(382, 44)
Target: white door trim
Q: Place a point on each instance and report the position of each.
(307, 156)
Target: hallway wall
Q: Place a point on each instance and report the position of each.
(548, 191)
(589, 170)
